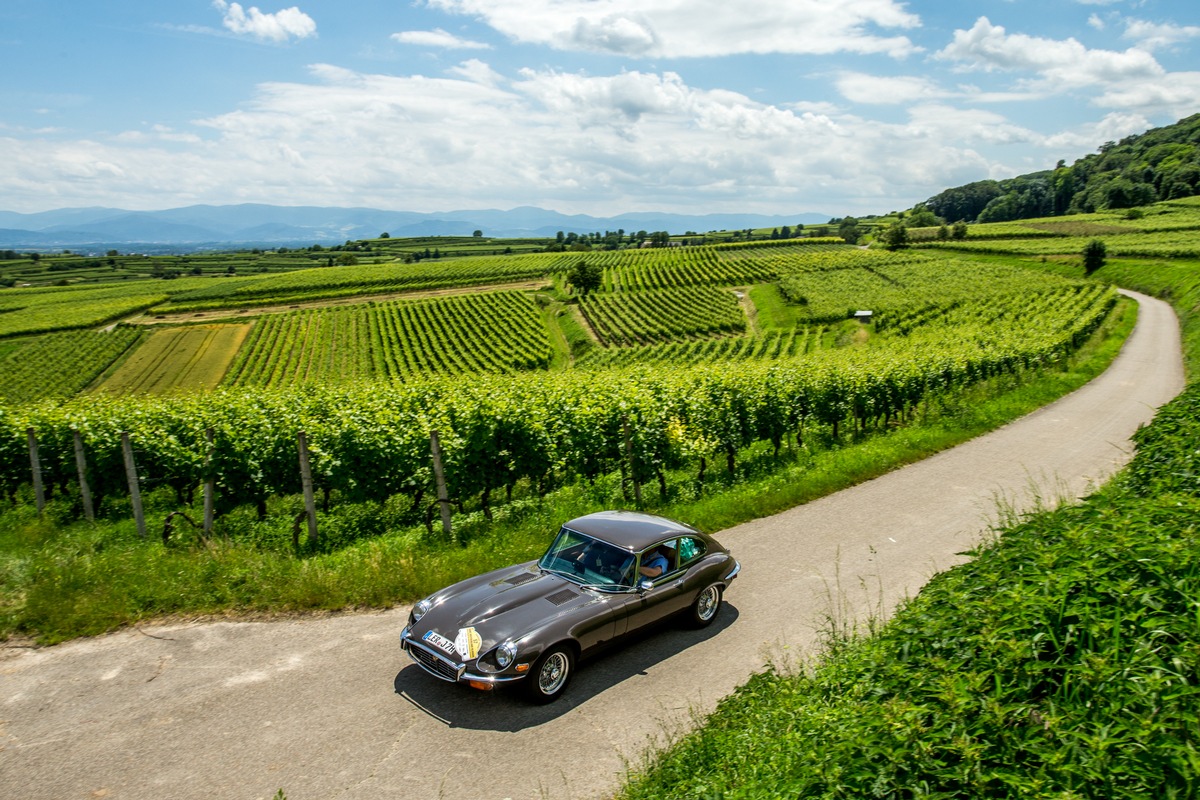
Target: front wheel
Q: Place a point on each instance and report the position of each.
(550, 675)
(706, 606)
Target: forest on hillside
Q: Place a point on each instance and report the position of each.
(1160, 164)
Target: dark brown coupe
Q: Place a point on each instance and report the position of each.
(606, 575)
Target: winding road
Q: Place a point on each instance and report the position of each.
(330, 707)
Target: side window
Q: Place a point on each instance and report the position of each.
(658, 554)
(690, 549)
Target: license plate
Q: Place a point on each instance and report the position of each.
(439, 641)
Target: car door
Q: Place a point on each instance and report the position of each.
(666, 595)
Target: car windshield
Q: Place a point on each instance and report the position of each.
(589, 561)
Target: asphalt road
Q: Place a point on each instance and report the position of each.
(330, 707)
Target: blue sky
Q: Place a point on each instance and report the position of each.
(582, 106)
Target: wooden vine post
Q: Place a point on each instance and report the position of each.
(637, 485)
(135, 492)
(85, 491)
(35, 465)
(209, 485)
(306, 482)
(439, 475)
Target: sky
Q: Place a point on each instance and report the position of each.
(581, 106)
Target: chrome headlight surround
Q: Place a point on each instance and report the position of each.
(421, 609)
(506, 654)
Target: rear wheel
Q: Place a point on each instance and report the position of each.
(706, 606)
(550, 674)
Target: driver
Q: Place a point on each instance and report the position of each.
(607, 561)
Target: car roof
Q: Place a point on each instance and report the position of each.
(631, 530)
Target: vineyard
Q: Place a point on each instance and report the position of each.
(371, 441)
(772, 345)
(30, 311)
(60, 365)
(885, 282)
(631, 318)
(348, 281)
(488, 332)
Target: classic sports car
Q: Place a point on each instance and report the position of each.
(605, 575)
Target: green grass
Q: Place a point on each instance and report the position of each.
(1060, 662)
(61, 578)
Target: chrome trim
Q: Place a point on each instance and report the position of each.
(737, 567)
(407, 643)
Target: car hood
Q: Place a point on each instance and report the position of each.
(504, 604)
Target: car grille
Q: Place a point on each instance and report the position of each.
(433, 664)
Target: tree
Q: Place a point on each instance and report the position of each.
(1094, 254)
(922, 217)
(478, 234)
(585, 277)
(848, 230)
(385, 235)
(960, 230)
(896, 236)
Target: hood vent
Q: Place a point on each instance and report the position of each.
(562, 596)
(524, 577)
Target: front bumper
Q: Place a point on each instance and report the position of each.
(444, 668)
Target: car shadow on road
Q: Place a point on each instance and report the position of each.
(504, 710)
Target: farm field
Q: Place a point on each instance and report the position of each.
(192, 358)
(60, 365)
(661, 330)
(487, 332)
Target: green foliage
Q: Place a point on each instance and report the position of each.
(59, 365)
(1160, 164)
(585, 278)
(403, 339)
(1094, 254)
(895, 236)
(1060, 662)
(628, 318)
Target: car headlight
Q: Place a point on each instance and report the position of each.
(421, 609)
(505, 654)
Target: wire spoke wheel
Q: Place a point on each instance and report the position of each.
(707, 604)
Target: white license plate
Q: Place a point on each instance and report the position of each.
(439, 641)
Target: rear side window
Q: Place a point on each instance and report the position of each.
(690, 549)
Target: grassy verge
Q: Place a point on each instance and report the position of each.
(1062, 661)
(61, 579)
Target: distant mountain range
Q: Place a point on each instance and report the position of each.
(218, 227)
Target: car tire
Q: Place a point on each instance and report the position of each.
(550, 674)
(706, 606)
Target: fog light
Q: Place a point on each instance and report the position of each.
(481, 685)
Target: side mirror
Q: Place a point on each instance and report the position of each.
(644, 585)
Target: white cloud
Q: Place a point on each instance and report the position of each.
(1153, 36)
(1087, 137)
(1176, 94)
(438, 38)
(276, 27)
(699, 28)
(1096, 22)
(473, 139)
(476, 71)
(886, 90)
(1062, 64)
